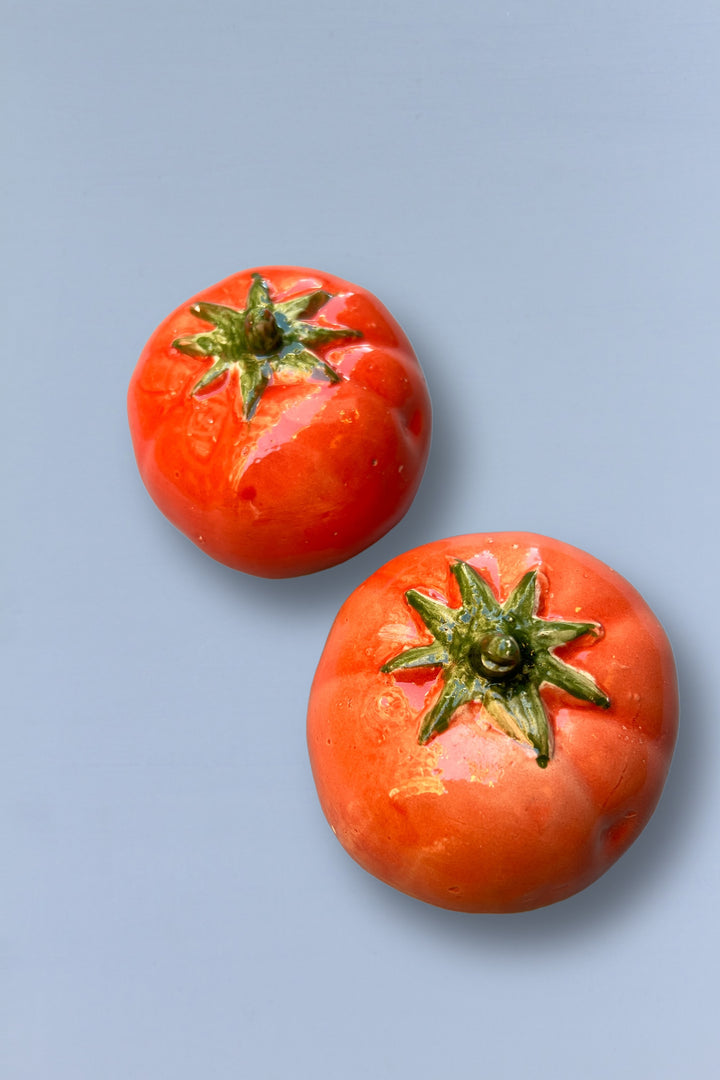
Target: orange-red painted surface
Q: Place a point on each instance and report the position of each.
(320, 471)
(468, 821)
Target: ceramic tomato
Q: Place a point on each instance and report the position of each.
(492, 721)
(280, 420)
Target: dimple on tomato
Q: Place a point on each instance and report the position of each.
(280, 419)
(492, 721)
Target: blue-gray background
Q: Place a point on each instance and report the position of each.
(532, 189)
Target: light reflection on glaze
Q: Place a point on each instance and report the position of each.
(417, 687)
(486, 562)
(299, 288)
(298, 416)
(470, 752)
(286, 427)
(345, 360)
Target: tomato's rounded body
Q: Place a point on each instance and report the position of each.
(467, 819)
(302, 452)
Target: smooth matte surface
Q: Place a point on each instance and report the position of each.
(532, 190)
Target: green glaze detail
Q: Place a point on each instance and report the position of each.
(260, 339)
(499, 655)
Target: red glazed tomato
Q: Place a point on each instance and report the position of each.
(492, 721)
(280, 420)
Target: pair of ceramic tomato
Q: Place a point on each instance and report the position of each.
(493, 716)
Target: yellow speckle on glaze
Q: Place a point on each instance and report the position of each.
(421, 785)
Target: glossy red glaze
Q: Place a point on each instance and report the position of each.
(469, 821)
(320, 472)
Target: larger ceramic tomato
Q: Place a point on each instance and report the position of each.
(280, 420)
(492, 721)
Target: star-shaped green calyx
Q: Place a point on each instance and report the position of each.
(498, 655)
(260, 339)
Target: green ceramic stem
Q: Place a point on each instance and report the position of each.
(498, 655)
(260, 339)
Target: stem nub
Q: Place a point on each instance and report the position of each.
(262, 333)
(495, 656)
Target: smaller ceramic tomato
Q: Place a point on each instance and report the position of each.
(280, 420)
(492, 721)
